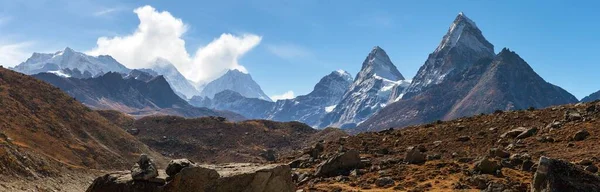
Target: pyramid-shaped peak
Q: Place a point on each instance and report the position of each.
(379, 63)
(464, 31)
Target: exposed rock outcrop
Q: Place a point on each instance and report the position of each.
(554, 175)
(209, 178)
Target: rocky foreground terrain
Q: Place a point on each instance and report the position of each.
(494, 152)
(552, 149)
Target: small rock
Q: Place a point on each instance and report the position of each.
(554, 125)
(144, 169)
(572, 115)
(480, 181)
(384, 182)
(434, 157)
(316, 150)
(414, 156)
(495, 187)
(527, 164)
(437, 143)
(495, 152)
(530, 132)
(176, 165)
(463, 138)
(584, 162)
(269, 155)
(591, 168)
(514, 133)
(487, 166)
(581, 135)
(546, 139)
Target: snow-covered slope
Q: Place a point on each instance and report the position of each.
(69, 59)
(369, 92)
(177, 81)
(237, 81)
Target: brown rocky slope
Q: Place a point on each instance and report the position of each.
(216, 140)
(44, 133)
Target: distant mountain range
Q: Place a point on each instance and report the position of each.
(308, 108)
(463, 76)
(138, 94)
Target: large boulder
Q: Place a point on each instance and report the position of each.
(339, 164)
(144, 169)
(205, 178)
(253, 178)
(554, 175)
(123, 182)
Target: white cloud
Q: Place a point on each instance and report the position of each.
(106, 11)
(159, 34)
(289, 51)
(286, 95)
(13, 53)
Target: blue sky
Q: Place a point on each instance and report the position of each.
(298, 42)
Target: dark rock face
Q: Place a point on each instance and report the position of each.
(464, 78)
(339, 164)
(554, 175)
(310, 108)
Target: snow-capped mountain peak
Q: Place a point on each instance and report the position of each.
(237, 81)
(464, 31)
(70, 59)
(177, 81)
